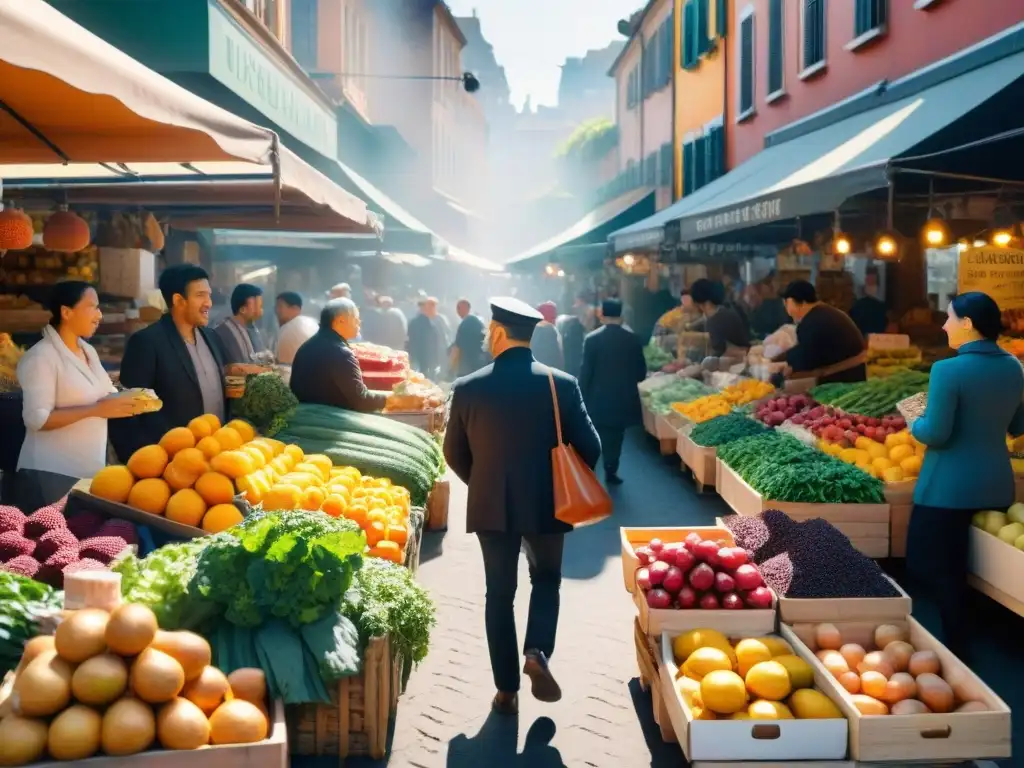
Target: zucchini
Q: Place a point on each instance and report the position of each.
(322, 438)
(349, 421)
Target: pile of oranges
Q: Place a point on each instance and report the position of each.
(194, 473)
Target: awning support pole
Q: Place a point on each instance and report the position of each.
(275, 164)
(956, 176)
(34, 131)
(890, 213)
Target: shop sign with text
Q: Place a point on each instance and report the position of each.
(748, 215)
(999, 272)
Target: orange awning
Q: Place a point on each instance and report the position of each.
(67, 95)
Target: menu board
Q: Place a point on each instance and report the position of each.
(999, 272)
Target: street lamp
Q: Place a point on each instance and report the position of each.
(469, 81)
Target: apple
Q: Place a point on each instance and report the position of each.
(685, 560)
(1015, 514)
(706, 550)
(643, 579)
(673, 580)
(732, 558)
(686, 598)
(655, 546)
(644, 555)
(759, 597)
(732, 602)
(659, 599)
(691, 541)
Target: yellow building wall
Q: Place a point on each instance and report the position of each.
(700, 92)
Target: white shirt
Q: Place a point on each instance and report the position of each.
(293, 335)
(51, 377)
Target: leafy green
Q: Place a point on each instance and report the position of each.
(23, 602)
(681, 391)
(267, 402)
(724, 429)
(334, 642)
(874, 397)
(655, 356)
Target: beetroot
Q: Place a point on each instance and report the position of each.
(659, 599)
(733, 602)
(643, 579)
(686, 598)
(657, 572)
(709, 602)
(724, 583)
(685, 559)
(760, 597)
(702, 577)
(748, 577)
(673, 580)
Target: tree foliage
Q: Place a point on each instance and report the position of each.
(590, 142)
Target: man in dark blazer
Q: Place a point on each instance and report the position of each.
(501, 431)
(613, 364)
(325, 370)
(178, 358)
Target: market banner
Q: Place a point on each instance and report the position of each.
(999, 272)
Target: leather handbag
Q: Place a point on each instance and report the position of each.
(580, 499)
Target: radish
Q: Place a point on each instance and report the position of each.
(724, 583)
(643, 579)
(655, 546)
(747, 577)
(685, 560)
(657, 572)
(732, 602)
(659, 599)
(686, 598)
(691, 541)
(702, 577)
(709, 602)
(673, 580)
(760, 597)
(644, 555)
(706, 550)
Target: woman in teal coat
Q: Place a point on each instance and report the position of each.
(974, 400)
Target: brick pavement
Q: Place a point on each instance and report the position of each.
(603, 719)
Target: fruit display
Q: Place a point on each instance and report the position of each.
(874, 397)
(781, 468)
(811, 559)
(415, 393)
(899, 458)
(115, 683)
(887, 675)
(703, 408)
(24, 605)
(45, 546)
(746, 391)
(39, 266)
(699, 574)
(1013, 345)
(778, 410)
(883, 363)
(724, 429)
(10, 354)
(375, 358)
(1006, 526)
(680, 390)
(746, 678)
(836, 426)
(1013, 320)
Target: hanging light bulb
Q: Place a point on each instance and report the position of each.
(549, 270)
(561, 273)
(841, 244)
(886, 246)
(936, 234)
(1002, 238)
(629, 260)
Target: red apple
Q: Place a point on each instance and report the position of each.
(706, 550)
(685, 560)
(759, 597)
(644, 555)
(657, 572)
(655, 546)
(691, 541)
(732, 558)
(724, 583)
(673, 580)
(659, 599)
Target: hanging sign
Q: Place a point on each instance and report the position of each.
(999, 272)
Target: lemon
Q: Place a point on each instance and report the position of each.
(750, 652)
(706, 660)
(688, 642)
(776, 645)
(723, 692)
(801, 674)
(769, 710)
(768, 680)
(808, 704)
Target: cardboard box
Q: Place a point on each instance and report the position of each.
(796, 610)
(932, 738)
(751, 740)
(127, 272)
(654, 621)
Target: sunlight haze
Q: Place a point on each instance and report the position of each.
(532, 38)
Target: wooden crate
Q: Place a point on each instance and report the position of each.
(901, 501)
(932, 738)
(701, 461)
(795, 610)
(432, 421)
(865, 525)
(648, 421)
(665, 431)
(437, 506)
(356, 724)
(646, 656)
(80, 498)
(654, 621)
(997, 569)
(631, 538)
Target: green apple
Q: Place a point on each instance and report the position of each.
(1019, 543)
(978, 520)
(994, 522)
(1015, 513)
(1010, 533)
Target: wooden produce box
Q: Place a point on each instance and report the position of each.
(433, 421)
(648, 657)
(272, 752)
(675, 620)
(901, 502)
(80, 498)
(796, 610)
(702, 462)
(437, 505)
(997, 569)
(649, 417)
(631, 538)
(665, 431)
(865, 525)
(356, 724)
(748, 740)
(932, 738)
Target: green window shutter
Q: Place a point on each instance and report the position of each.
(689, 57)
(776, 59)
(814, 33)
(746, 65)
(703, 32)
(700, 166)
(688, 168)
(869, 15)
(721, 9)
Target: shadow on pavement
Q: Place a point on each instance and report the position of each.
(432, 545)
(496, 745)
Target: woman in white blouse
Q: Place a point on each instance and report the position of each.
(68, 397)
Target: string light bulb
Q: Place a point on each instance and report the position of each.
(841, 244)
(936, 233)
(886, 246)
(1002, 238)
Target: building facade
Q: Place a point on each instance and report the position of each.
(794, 59)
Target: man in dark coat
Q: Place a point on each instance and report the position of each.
(325, 370)
(178, 358)
(467, 351)
(613, 364)
(425, 340)
(547, 342)
(572, 331)
(501, 432)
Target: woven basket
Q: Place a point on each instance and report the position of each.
(356, 724)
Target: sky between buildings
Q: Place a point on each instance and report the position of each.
(531, 38)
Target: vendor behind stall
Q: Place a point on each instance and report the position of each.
(829, 347)
(722, 323)
(240, 339)
(325, 370)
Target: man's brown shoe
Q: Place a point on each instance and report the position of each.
(506, 703)
(542, 683)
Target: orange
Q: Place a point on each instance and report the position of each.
(177, 439)
(334, 505)
(282, 496)
(232, 463)
(200, 428)
(357, 514)
(263, 447)
(178, 477)
(312, 498)
(375, 532)
(148, 461)
(150, 495)
(387, 550)
(228, 438)
(209, 446)
(398, 534)
(215, 488)
(221, 517)
(186, 507)
(191, 460)
(212, 420)
(244, 428)
(113, 483)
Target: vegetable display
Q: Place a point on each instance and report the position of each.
(703, 408)
(724, 429)
(746, 391)
(781, 468)
(655, 356)
(23, 603)
(899, 458)
(875, 397)
(680, 391)
(267, 403)
(830, 424)
(1007, 526)
(809, 559)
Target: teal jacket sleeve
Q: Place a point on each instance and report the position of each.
(1017, 422)
(935, 427)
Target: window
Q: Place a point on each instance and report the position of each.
(688, 55)
(688, 168)
(776, 54)
(869, 15)
(745, 60)
(651, 170)
(304, 27)
(714, 151)
(699, 163)
(814, 34)
(665, 165)
(702, 39)
(667, 29)
(721, 9)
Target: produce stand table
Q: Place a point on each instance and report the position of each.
(997, 569)
(901, 501)
(356, 724)
(865, 525)
(665, 427)
(437, 505)
(433, 421)
(80, 498)
(700, 461)
(648, 417)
